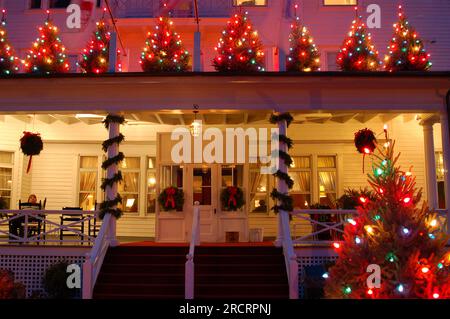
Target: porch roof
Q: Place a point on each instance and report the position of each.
(327, 91)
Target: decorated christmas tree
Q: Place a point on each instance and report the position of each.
(48, 54)
(357, 52)
(164, 51)
(303, 54)
(8, 62)
(95, 57)
(239, 49)
(406, 50)
(392, 232)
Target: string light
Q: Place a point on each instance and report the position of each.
(400, 288)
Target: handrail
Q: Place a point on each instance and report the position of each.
(41, 217)
(189, 266)
(290, 257)
(94, 259)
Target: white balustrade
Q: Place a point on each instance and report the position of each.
(189, 266)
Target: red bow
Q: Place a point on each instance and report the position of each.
(170, 192)
(232, 191)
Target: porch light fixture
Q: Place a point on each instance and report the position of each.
(196, 125)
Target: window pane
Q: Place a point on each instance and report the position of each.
(131, 163)
(258, 192)
(250, 3)
(232, 175)
(6, 157)
(151, 191)
(88, 181)
(151, 162)
(88, 162)
(171, 176)
(301, 162)
(439, 166)
(326, 161)
(87, 201)
(340, 2)
(130, 183)
(202, 186)
(302, 181)
(301, 201)
(328, 200)
(327, 182)
(59, 3)
(130, 203)
(35, 4)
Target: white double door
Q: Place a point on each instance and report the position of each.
(204, 187)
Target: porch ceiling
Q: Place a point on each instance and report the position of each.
(219, 118)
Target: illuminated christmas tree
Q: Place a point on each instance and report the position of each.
(164, 51)
(357, 52)
(8, 62)
(303, 54)
(391, 231)
(406, 50)
(95, 57)
(239, 49)
(48, 54)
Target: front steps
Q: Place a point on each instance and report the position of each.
(221, 272)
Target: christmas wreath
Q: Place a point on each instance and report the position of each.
(31, 144)
(365, 142)
(232, 198)
(171, 198)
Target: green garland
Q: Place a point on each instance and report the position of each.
(109, 206)
(118, 139)
(276, 118)
(113, 119)
(117, 178)
(284, 201)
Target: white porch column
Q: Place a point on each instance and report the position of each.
(111, 191)
(281, 185)
(446, 154)
(112, 59)
(430, 165)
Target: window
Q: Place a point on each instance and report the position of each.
(259, 190)
(99, 3)
(171, 175)
(250, 3)
(35, 4)
(300, 172)
(151, 185)
(326, 169)
(331, 61)
(340, 2)
(88, 171)
(232, 175)
(59, 3)
(129, 188)
(202, 185)
(440, 179)
(6, 169)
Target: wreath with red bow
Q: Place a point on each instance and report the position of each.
(171, 198)
(31, 144)
(232, 198)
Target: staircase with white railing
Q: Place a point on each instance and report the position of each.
(189, 266)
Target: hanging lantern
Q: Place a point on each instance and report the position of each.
(196, 125)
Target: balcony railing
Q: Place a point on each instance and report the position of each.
(183, 9)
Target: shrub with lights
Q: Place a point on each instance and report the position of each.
(391, 231)
(164, 51)
(8, 62)
(239, 48)
(357, 52)
(48, 54)
(406, 50)
(95, 58)
(303, 53)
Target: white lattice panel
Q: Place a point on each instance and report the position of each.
(30, 269)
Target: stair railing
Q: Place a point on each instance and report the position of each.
(94, 259)
(189, 266)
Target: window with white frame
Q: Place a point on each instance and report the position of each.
(440, 179)
(6, 174)
(300, 172)
(250, 3)
(129, 187)
(232, 175)
(259, 189)
(327, 180)
(88, 173)
(340, 2)
(151, 185)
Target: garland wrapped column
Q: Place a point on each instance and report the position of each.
(113, 174)
(281, 195)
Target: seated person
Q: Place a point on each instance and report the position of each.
(262, 206)
(16, 227)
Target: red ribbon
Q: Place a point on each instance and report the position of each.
(29, 164)
(232, 191)
(170, 192)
